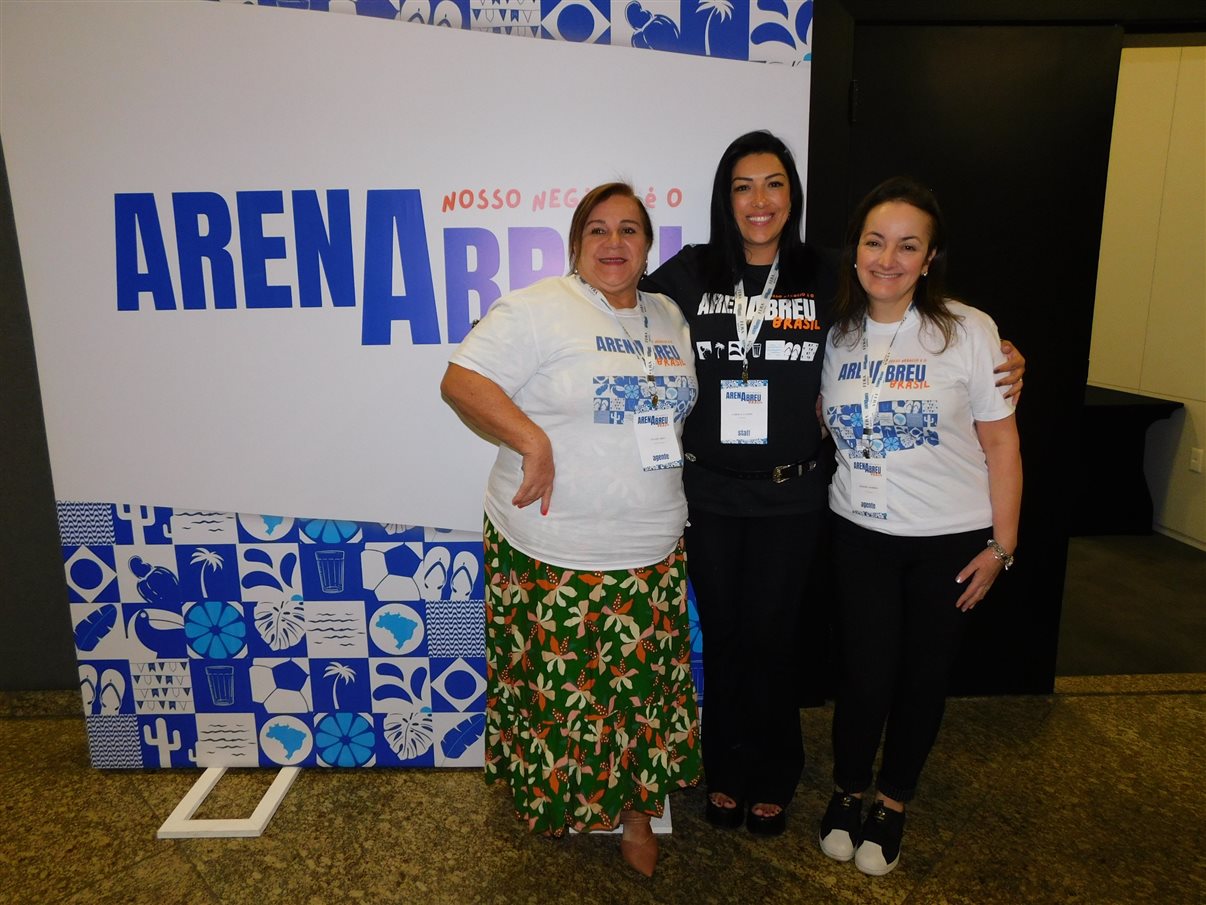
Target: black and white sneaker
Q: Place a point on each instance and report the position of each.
(879, 851)
(840, 826)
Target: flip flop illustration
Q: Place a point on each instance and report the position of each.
(88, 687)
(464, 574)
(112, 690)
(433, 572)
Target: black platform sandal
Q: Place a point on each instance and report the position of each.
(722, 817)
(772, 825)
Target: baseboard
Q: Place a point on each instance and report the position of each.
(1178, 536)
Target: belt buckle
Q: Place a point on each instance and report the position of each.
(779, 474)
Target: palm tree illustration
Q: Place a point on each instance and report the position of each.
(339, 672)
(712, 7)
(207, 559)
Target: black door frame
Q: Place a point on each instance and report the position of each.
(834, 22)
(830, 175)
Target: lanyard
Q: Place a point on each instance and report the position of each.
(646, 348)
(749, 321)
(871, 400)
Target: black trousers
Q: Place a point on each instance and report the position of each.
(899, 631)
(749, 576)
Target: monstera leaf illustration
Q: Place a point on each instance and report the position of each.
(460, 738)
(93, 627)
(281, 623)
(410, 734)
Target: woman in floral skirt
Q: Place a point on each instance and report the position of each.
(585, 382)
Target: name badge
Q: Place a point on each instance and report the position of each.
(868, 486)
(743, 411)
(656, 440)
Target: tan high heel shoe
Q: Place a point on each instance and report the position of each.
(638, 845)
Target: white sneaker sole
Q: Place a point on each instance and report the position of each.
(838, 845)
(869, 858)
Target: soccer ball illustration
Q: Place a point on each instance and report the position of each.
(281, 685)
(389, 570)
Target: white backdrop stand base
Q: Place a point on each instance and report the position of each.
(660, 825)
(181, 825)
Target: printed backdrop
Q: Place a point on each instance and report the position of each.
(250, 239)
(767, 31)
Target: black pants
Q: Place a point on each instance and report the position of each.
(899, 631)
(749, 576)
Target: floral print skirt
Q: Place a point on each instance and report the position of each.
(590, 706)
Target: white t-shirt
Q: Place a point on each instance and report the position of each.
(924, 426)
(563, 356)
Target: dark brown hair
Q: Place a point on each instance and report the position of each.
(929, 295)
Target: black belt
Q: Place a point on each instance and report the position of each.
(778, 475)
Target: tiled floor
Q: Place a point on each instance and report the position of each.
(1092, 795)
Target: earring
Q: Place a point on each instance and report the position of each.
(925, 273)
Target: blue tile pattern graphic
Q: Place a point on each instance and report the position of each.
(618, 399)
(218, 639)
(86, 523)
(898, 425)
(113, 742)
(765, 31)
(212, 638)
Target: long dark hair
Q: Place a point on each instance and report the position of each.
(929, 296)
(727, 258)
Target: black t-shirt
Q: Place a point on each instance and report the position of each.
(788, 354)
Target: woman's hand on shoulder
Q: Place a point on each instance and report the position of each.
(538, 475)
(1012, 369)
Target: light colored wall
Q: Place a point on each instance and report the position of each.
(1149, 324)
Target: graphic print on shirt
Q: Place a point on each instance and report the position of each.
(619, 398)
(898, 424)
(665, 355)
(796, 313)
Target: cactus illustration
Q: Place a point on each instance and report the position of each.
(140, 518)
(163, 740)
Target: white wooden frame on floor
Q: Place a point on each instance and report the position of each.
(662, 826)
(181, 825)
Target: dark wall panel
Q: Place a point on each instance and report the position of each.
(36, 650)
(1010, 125)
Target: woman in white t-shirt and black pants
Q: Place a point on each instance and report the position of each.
(926, 497)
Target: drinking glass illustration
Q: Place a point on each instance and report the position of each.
(330, 570)
(221, 684)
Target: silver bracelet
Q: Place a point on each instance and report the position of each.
(1006, 559)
